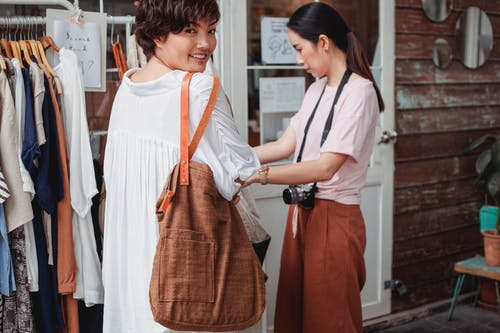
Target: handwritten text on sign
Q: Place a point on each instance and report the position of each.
(85, 41)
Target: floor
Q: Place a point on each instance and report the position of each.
(466, 319)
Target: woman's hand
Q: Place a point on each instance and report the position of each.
(252, 179)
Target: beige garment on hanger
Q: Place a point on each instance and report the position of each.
(18, 209)
(135, 55)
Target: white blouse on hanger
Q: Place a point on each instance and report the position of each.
(81, 178)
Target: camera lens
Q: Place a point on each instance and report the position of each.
(287, 196)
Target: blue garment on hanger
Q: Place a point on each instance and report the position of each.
(49, 190)
(30, 148)
(7, 281)
(49, 184)
(43, 306)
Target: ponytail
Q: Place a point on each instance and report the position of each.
(358, 63)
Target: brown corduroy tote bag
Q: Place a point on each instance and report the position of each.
(206, 276)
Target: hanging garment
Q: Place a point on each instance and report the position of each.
(82, 180)
(135, 54)
(66, 265)
(31, 148)
(17, 316)
(17, 207)
(49, 190)
(7, 281)
(95, 208)
(64, 281)
(36, 76)
(21, 108)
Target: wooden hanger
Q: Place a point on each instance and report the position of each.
(48, 42)
(41, 52)
(16, 52)
(58, 85)
(6, 48)
(26, 51)
(35, 50)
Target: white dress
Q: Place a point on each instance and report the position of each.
(142, 148)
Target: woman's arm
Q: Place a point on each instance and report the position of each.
(279, 149)
(303, 172)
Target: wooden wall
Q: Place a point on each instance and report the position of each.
(438, 112)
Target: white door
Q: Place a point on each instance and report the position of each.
(377, 197)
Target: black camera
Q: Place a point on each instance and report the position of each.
(300, 194)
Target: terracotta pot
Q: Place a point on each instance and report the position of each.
(487, 296)
(491, 247)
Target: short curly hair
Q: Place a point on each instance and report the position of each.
(157, 18)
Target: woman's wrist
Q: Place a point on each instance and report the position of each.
(262, 174)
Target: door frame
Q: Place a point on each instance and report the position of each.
(387, 37)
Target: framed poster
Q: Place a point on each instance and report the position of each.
(86, 38)
(275, 46)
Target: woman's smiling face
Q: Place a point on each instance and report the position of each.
(190, 49)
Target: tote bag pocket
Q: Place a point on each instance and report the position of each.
(182, 277)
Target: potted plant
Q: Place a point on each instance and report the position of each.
(488, 170)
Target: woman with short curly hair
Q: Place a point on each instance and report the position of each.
(178, 36)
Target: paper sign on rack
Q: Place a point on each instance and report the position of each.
(87, 40)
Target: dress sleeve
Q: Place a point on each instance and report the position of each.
(221, 147)
(352, 122)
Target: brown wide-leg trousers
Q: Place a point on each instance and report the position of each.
(322, 271)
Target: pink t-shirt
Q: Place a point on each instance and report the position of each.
(352, 133)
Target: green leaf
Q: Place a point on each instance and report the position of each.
(482, 161)
(477, 143)
(494, 186)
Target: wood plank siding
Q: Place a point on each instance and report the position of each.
(438, 113)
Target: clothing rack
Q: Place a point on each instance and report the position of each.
(128, 21)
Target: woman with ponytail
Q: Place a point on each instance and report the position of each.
(322, 266)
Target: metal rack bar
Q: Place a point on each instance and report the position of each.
(63, 3)
(127, 20)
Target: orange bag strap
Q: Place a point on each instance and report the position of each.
(169, 189)
(187, 151)
(205, 118)
(184, 161)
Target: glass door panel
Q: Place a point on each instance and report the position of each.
(267, 124)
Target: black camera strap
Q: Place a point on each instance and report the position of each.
(328, 123)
